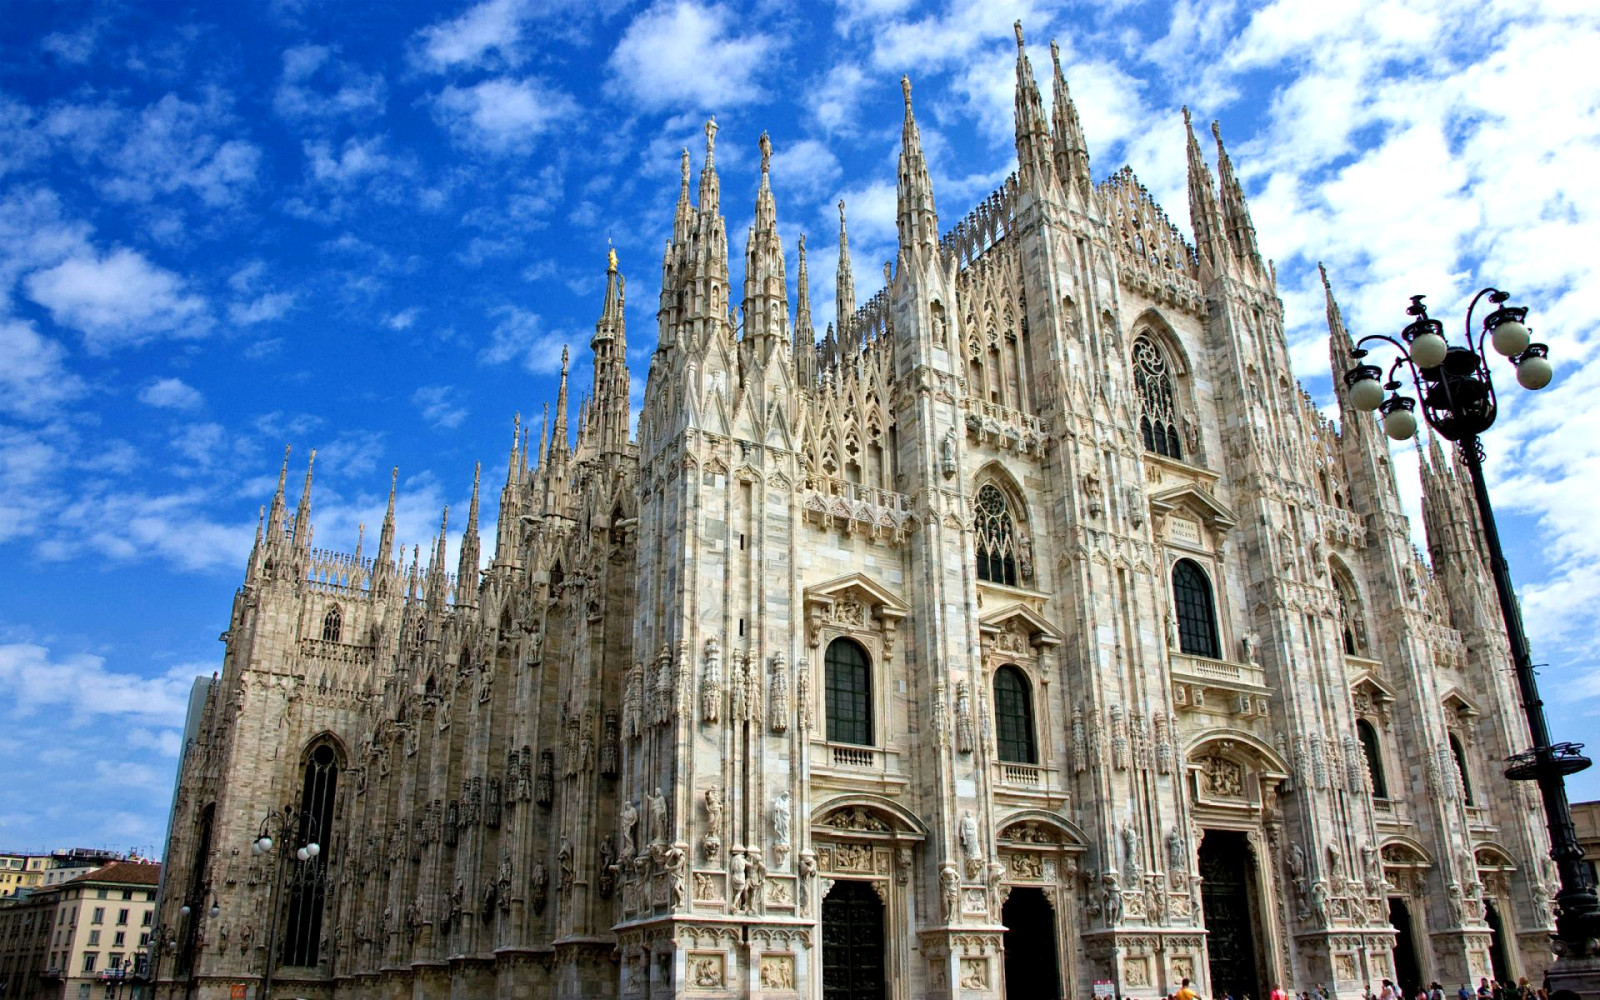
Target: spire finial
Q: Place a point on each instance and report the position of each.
(802, 246)
(1055, 56)
(283, 473)
(905, 90)
(1187, 121)
(1216, 130)
(1017, 27)
(711, 136)
(611, 258)
(685, 168)
(564, 358)
(766, 153)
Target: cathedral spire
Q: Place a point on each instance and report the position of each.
(437, 585)
(559, 445)
(607, 418)
(467, 565)
(845, 284)
(683, 217)
(1034, 158)
(1240, 231)
(1071, 149)
(710, 188)
(386, 532)
(917, 220)
(805, 335)
(1203, 212)
(302, 514)
(514, 463)
(279, 503)
(766, 286)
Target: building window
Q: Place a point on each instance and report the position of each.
(119, 939)
(94, 938)
(122, 917)
(1158, 415)
(1460, 755)
(144, 921)
(89, 958)
(1374, 755)
(99, 894)
(331, 624)
(303, 933)
(849, 684)
(997, 537)
(144, 939)
(99, 915)
(127, 894)
(1196, 613)
(1013, 717)
(115, 958)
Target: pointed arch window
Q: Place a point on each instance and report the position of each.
(302, 932)
(1374, 754)
(1158, 413)
(332, 625)
(1195, 610)
(1013, 717)
(849, 693)
(1460, 755)
(996, 532)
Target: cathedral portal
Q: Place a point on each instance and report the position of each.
(852, 942)
(1227, 891)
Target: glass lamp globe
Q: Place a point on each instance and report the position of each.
(1366, 395)
(1534, 372)
(266, 843)
(1428, 350)
(313, 849)
(1400, 424)
(302, 854)
(184, 909)
(1510, 338)
(215, 910)
(255, 847)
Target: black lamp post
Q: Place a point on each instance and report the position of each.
(285, 821)
(1457, 394)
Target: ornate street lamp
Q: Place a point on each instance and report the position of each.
(1454, 386)
(285, 822)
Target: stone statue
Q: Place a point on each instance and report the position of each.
(630, 819)
(738, 882)
(780, 818)
(564, 864)
(971, 849)
(540, 882)
(713, 811)
(658, 817)
(949, 891)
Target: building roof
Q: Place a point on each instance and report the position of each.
(124, 873)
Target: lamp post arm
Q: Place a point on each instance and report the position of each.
(1576, 922)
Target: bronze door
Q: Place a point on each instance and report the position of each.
(852, 943)
(1225, 867)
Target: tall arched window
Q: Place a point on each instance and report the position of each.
(996, 537)
(332, 624)
(1196, 613)
(1460, 755)
(849, 693)
(1374, 754)
(1158, 414)
(1013, 717)
(302, 932)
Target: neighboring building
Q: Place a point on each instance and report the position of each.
(1034, 628)
(21, 874)
(1586, 818)
(68, 941)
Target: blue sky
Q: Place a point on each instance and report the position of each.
(369, 228)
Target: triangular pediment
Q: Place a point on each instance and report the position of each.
(1197, 501)
(1377, 690)
(862, 588)
(1020, 617)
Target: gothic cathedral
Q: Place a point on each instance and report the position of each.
(1030, 632)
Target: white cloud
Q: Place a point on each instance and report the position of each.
(356, 160)
(79, 686)
(503, 115)
(117, 300)
(522, 335)
(171, 146)
(835, 101)
(264, 309)
(487, 34)
(171, 394)
(347, 92)
(681, 55)
(803, 169)
(437, 403)
(34, 379)
(402, 320)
